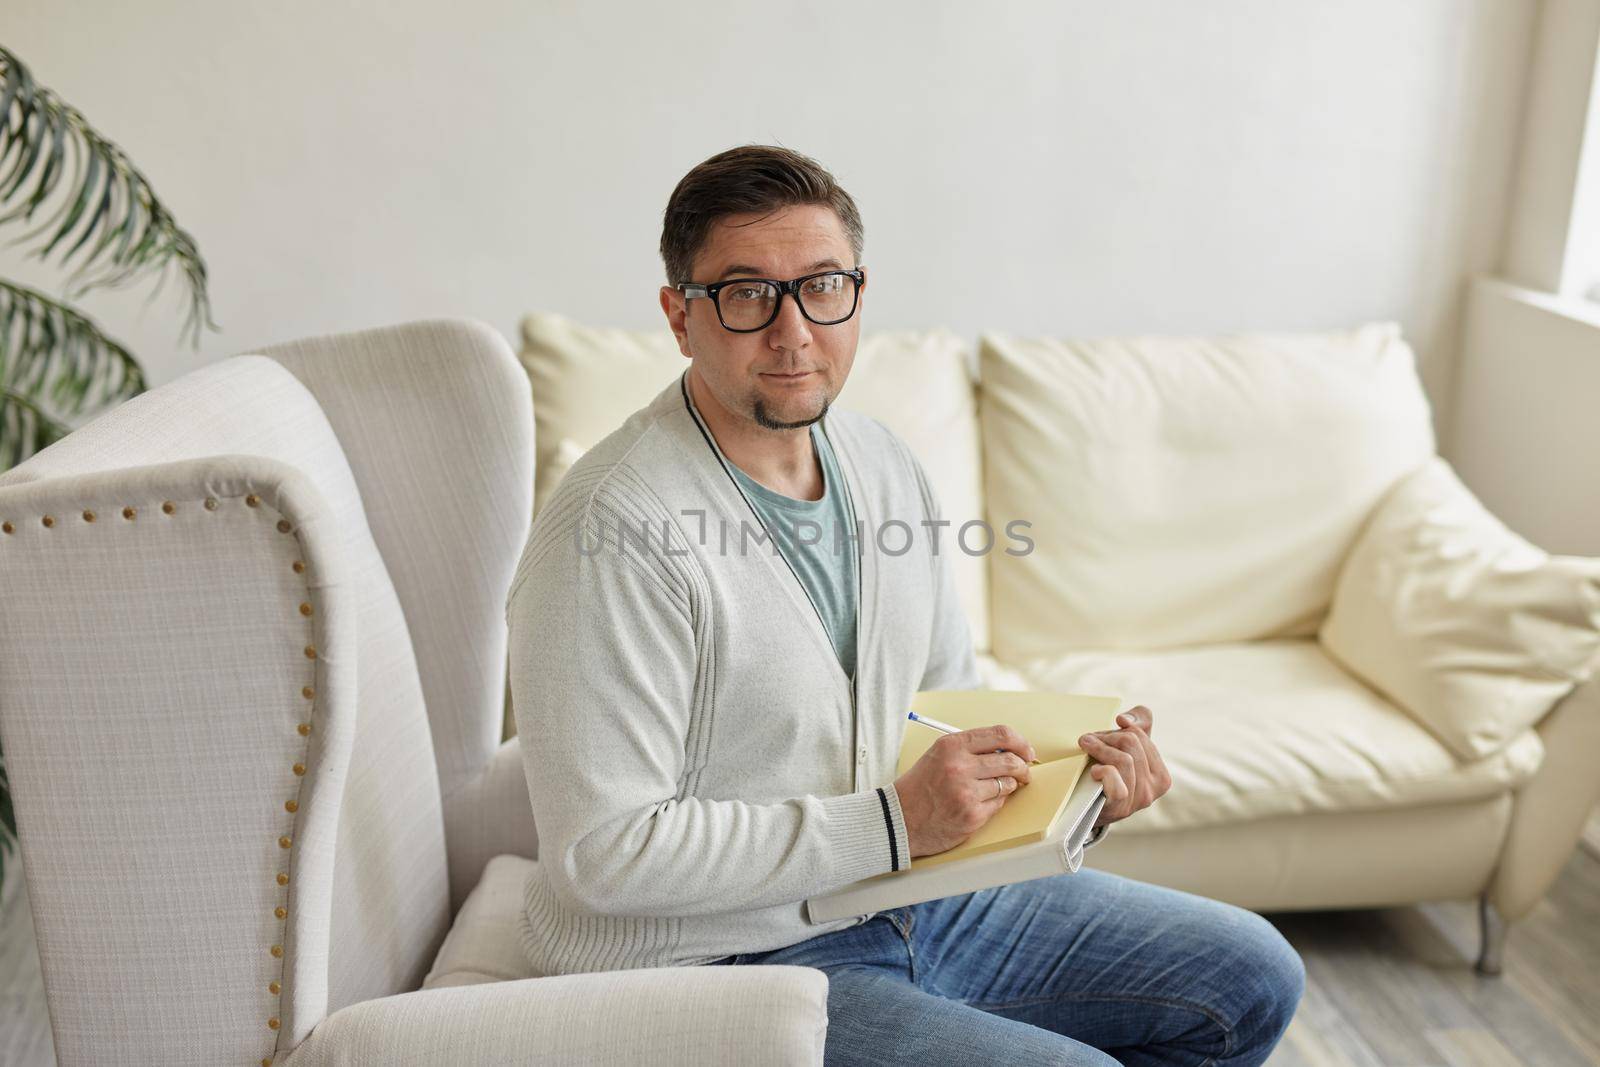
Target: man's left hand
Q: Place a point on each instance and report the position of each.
(1128, 767)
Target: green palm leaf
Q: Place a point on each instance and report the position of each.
(54, 363)
(109, 226)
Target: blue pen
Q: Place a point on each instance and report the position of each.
(942, 727)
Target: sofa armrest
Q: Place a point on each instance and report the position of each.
(663, 1015)
(1551, 808)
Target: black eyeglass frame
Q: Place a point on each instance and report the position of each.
(792, 288)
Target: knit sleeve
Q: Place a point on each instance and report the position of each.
(603, 679)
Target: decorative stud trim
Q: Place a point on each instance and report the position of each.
(306, 610)
(307, 692)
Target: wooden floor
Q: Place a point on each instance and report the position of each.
(1387, 987)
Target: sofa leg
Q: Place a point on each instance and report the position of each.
(1491, 937)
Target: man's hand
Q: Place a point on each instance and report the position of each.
(1129, 768)
(958, 785)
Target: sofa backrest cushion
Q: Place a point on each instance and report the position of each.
(587, 380)
(1186, 490)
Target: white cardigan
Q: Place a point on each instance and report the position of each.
(698, 762)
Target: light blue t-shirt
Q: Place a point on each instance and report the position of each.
(827, 565)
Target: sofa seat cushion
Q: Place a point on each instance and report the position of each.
(1265, 728)
(484, 944)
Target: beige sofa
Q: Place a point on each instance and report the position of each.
(1369, 692)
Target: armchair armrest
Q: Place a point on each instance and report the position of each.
(665, 1015)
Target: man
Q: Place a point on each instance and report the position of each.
(711, 698)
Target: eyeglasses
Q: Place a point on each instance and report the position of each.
(745, 305)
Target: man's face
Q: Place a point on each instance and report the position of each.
(784, 376)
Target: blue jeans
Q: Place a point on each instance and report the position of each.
(1085, 968)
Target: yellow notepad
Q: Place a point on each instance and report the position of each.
(1051, 722)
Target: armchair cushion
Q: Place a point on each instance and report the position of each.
(687, 1015)
(484, 944)
(1473, 630)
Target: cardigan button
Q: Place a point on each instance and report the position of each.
(861, 754)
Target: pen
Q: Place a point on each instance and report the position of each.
(942, 727)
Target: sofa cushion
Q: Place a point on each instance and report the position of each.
(1187, 491)
(483, 944)
(587, 380)
(1470, 628)
(1263, 728)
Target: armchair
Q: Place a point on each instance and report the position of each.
(252, 671)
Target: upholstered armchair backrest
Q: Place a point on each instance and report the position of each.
(254, 626)
(436, 419)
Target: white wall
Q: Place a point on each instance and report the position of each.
(1527, 408)
(1525, 430)
(1074, 168)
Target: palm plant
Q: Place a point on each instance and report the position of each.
(57, 368)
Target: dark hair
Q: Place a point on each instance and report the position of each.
(752, 178)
